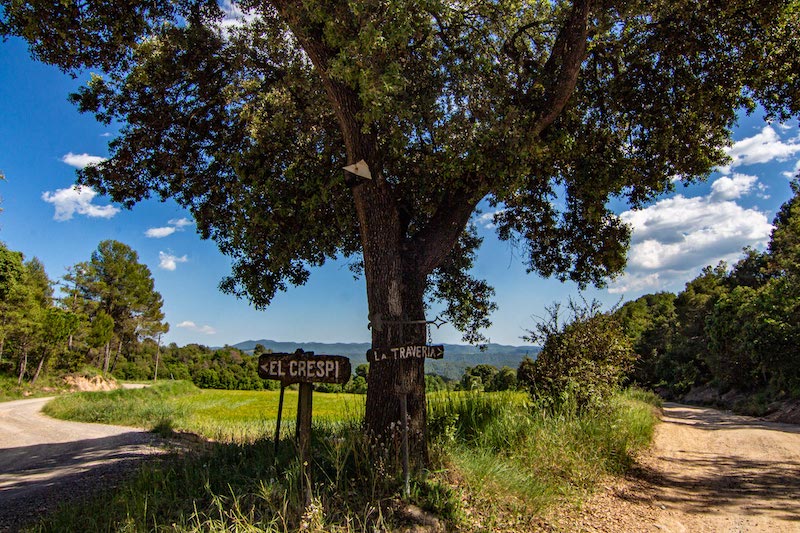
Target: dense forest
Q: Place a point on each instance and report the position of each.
(732, 329)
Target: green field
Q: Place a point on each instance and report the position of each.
(224, 416)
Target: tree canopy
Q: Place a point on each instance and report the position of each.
(545, 110)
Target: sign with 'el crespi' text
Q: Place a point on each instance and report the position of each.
(304, 367)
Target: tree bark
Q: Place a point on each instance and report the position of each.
(389, 379)
(38, 369)
(116, 356)
(106, 357)
(23, 364)
(158, 356)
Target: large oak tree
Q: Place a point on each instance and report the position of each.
(546, 108)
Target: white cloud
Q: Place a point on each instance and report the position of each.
(636, 282)
(158, 233)
(234, 15)
(176, 224)
(763, 147)
(674, 238)
(188, 324)
(487, 219)
(791, 174)
(82, 160)
(77, 200)
(726, 188)
(170, 262)
(180, 222)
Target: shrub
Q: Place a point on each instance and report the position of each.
(582, 360)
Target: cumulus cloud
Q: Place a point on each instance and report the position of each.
(234, 15)
(77, 200)
(763, 147)
(82, 160)
(188, 324)
(176, 224)
(731, 188)
(678, 236)
(170, 262)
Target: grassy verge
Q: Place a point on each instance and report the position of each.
(498, 464)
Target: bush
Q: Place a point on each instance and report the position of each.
(582, 361)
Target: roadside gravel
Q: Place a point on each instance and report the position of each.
(46, 462)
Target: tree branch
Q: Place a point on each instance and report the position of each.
(564, 62)
(434, 242)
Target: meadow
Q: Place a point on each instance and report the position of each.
(497, 462)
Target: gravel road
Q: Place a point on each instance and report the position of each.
(44, 462)
(708, 471)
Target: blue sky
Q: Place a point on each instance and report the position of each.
(43, 139)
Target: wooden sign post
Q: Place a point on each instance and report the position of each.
(304, 368)
(400, 353)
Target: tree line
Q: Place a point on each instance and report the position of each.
(732, 328)
(106, 308)
(108, 316)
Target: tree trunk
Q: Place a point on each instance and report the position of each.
(158, 356)
(390, 379)
(395, 291)
(23, 364)
(116, 355)
(38, 369)
(106, 357)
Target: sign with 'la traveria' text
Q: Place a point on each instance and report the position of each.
(304, 367)
(406, 352)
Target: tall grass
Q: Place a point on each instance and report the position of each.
(498, 464)
(518, 461)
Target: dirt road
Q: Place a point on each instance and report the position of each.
(708, 472)
(45, 461)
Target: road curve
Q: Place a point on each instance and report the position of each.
(44, 462)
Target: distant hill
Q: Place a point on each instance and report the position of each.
(457, 357)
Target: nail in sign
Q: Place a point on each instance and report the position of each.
(406, 352)
(304, 367)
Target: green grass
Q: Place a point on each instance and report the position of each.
(225, 416)
(517, 462)
(498, 463)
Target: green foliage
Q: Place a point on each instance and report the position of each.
(650, 323)
(115, 283)
(582, 361)
(514, 461)
(518, 103)
(147, 407)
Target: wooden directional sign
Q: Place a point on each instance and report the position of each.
(406, 352)
(304, 367)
